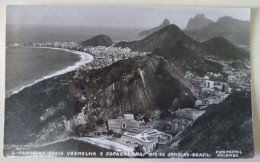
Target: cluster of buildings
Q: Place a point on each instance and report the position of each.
(134, 135)
(123, 123)
(105, 56)
(67, 45)
(214, 88)
(150, 139)
(185, 118)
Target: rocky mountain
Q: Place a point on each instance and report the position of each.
(225, 126)
(234, 30)
(198, 22)
(150, 31)
(223, 49)
(99, 40)
(52, 109)
(172, 44)
(164, 38)
(181, 50)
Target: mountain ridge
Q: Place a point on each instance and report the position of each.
(152, 30)
(222, 48)
(163, 38)
(234, 30)
(197, 22)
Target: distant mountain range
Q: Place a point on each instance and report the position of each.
(172, 43)
(150, 31)
(234, 30)
(164, 38)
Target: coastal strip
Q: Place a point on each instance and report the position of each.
(84, 58)
(105, 142)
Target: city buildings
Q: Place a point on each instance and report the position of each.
(149, 138)
(123, 123)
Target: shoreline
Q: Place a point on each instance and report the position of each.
(104, 142)
(84, 58)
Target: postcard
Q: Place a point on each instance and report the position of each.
(128, 82)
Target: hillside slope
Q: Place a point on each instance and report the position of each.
(226, 126)
(150, 31)
(51, 109)
(222, 48)
(164, 38)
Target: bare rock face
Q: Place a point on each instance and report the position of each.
(150, 31)
(198, 22)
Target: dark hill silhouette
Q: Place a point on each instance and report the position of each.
(222, 48)
(99, 40)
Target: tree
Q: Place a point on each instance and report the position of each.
(100, 121)
(146, 118)
(139, 149)
(109, 132)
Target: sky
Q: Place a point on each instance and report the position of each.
(110, 16)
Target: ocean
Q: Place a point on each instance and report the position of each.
(25, 65)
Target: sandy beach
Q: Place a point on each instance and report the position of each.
(105, 142)
(84, 58)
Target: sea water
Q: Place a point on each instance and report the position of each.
(25, 65)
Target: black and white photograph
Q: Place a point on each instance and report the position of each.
(128, 82)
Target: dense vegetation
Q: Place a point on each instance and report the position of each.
(225, 126)
(99, 40)
(222, 48)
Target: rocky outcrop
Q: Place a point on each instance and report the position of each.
(150, 31)
(198, 22)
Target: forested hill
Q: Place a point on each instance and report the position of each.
(225, 126)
